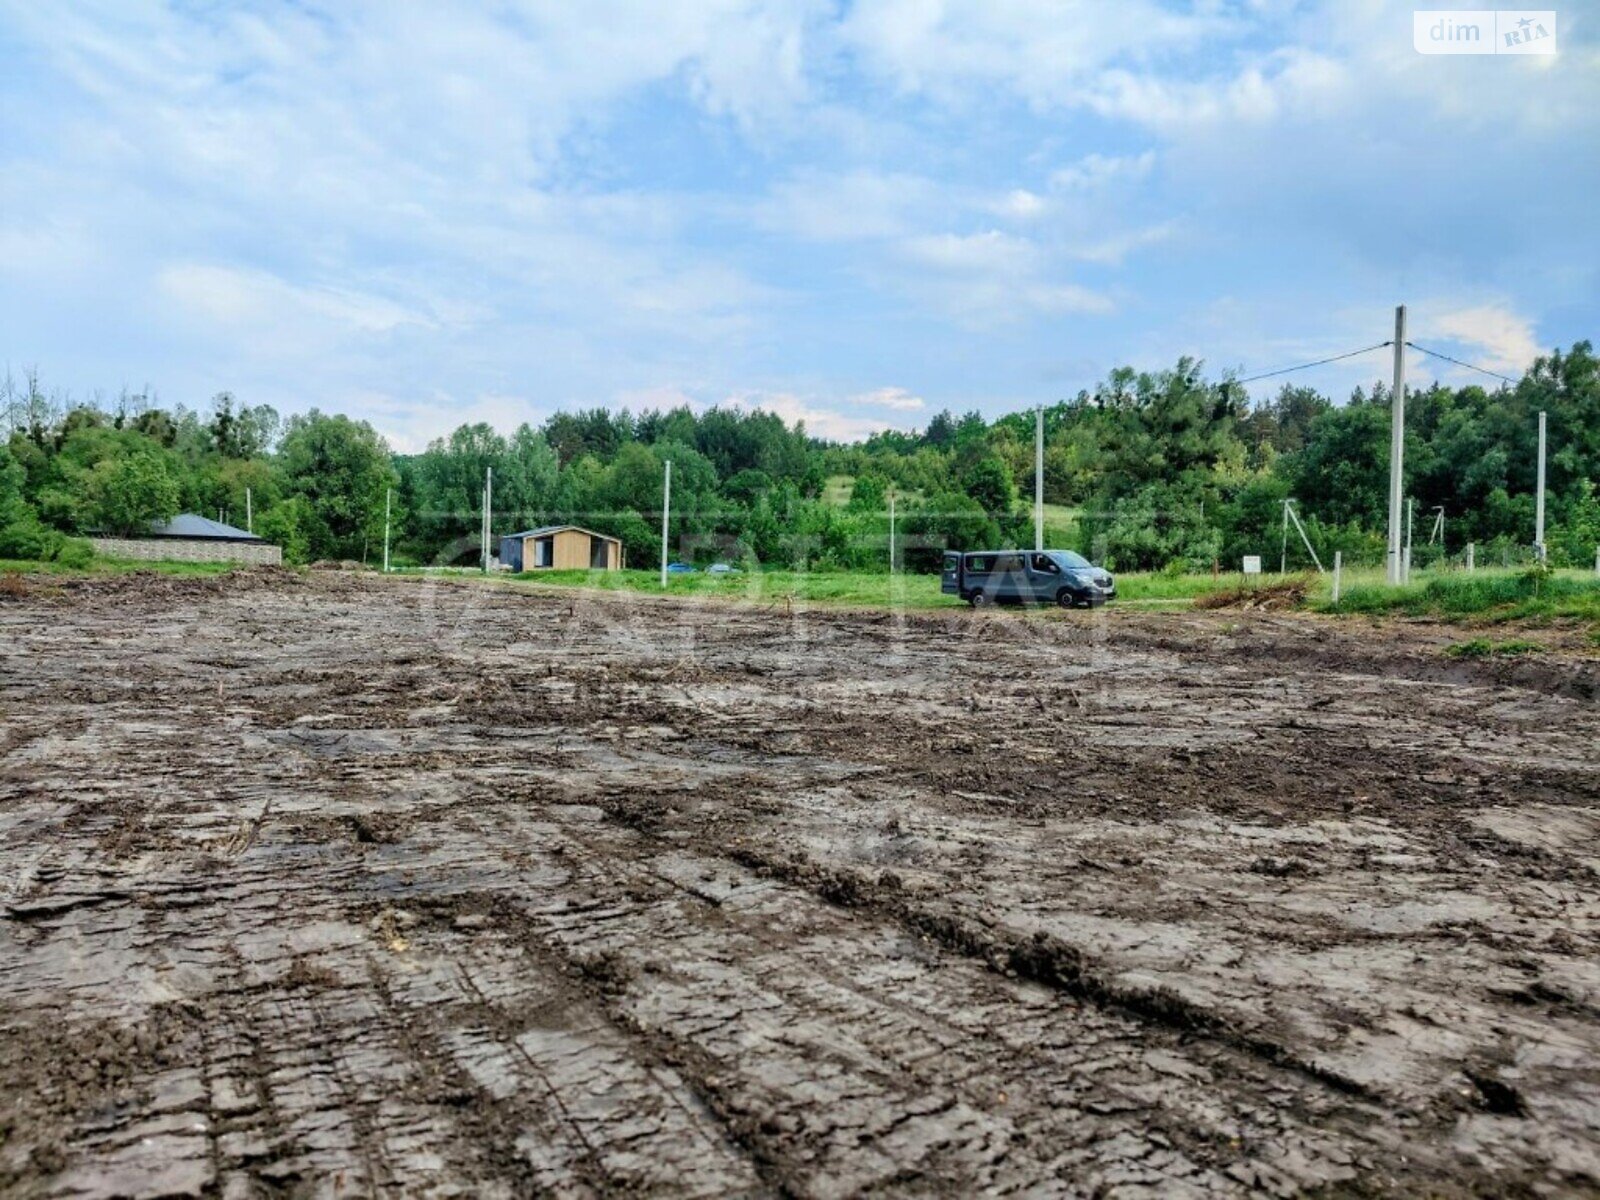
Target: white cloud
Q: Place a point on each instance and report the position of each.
(1094, 172)
(854, 206)
(1291, 81)
(262, 302)
(992, 278)
(1504, 339)
(1041, 49)
(1019, 204)
(820, 422)
(573, 202)
(986, 253)
(897, 399)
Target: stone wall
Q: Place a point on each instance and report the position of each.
(189, 550)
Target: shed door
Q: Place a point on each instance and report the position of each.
(598, 559)
(543, 551)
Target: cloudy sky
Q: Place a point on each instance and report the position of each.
(855, 213)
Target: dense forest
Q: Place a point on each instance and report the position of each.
(1150, 470)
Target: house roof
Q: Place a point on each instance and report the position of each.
(192, 525)
(546, 530)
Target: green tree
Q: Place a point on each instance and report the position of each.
(989, 482)
(341, 469)
(126, 495)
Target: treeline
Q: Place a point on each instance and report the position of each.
(1160, 469)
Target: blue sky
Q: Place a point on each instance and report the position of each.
(852, 214)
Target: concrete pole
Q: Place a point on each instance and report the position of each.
(488, 518)
(1397, 443)
(1411, 512)
(388, 504)
(249, 514)
(1038, 481)
(1338, 573)
(1538, 503)
(1283, 550)
(1472, 557)
(666, 509)
(891, 531)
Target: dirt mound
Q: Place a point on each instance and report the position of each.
(337, 564)
(1268, 597)
(160, 587)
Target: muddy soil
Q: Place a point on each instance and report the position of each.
(330, 885)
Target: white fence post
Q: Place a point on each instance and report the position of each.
(1472, 562)
(1338, 572)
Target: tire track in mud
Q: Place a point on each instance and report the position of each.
(997, 1078)
(671, 949)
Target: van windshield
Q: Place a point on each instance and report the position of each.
(1073, 562)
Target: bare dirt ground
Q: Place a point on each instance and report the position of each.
(333, 885)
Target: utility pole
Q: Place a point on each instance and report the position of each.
(666, 509)
(1538, 503)
(1283, 550)
(1397, 443)
(1405, 564)
(1038, 481)
(388, 502)
(249, 514)
(891, 531)
(488, 518)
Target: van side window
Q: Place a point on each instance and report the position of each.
(1043, 562)
(978, 564)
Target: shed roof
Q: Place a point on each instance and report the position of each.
(546, 530)
(192, 525)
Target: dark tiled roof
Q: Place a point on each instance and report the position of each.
(192, 525)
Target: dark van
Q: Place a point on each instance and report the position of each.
(1026, 577)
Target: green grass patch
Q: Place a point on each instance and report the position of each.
(117, 566)
(865, 589)
(1484, 648)
(851, 588)
(836, 490)
(1490, 596)
(1159, 585)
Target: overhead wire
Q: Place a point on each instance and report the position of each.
(1316, 363)
(1459, 363)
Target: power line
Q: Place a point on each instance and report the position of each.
(1319, 362)
(1459, 363)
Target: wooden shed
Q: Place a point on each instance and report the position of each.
(560, 548)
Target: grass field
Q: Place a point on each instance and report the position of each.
(1487, 596)
(113, 566)
(1495, 596)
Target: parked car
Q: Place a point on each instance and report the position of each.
(679, 569)
(721, 568)
(1026, 576)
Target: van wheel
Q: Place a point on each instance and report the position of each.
(1066, 599)
(978, 599)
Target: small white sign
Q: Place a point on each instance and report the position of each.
(1252, 564)
(1484, 31)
